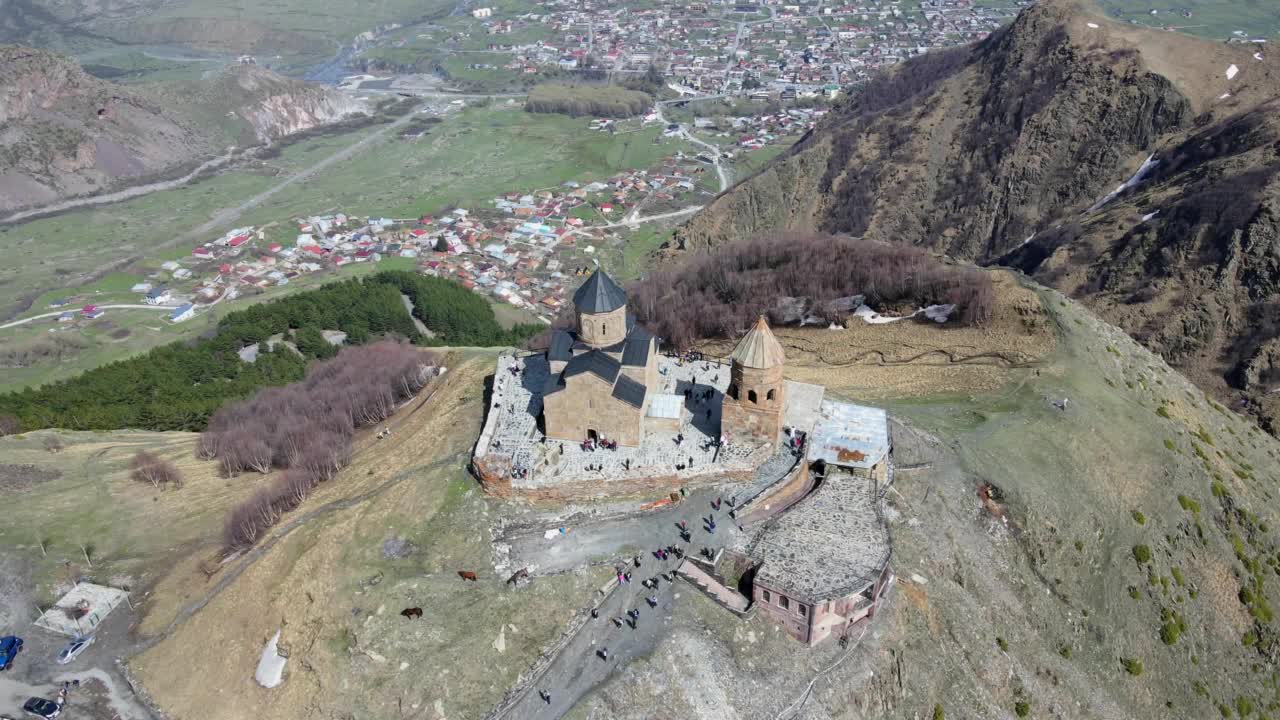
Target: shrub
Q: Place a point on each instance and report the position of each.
(1142, 554)
(1188, 504)
(1139, 518)
(1133, 666)
(1002, 644)
(1163, 412)
(1170, 446)
(150, 468)
(1022, 708)
(721, 294)
(1065, 651)
(938, 714)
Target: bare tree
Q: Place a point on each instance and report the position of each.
(148, 467)
(53, 443)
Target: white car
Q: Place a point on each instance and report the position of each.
(74, 648)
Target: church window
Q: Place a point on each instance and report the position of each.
(751, 395)
(733, 391)
(784, 602)
(769, 395)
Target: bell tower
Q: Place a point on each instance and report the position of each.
(602, 311)
(755, 399)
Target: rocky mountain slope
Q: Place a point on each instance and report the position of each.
(65, 133)
(1002, 152)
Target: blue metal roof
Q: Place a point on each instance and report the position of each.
(849, 435)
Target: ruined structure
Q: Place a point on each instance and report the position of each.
(602, 375)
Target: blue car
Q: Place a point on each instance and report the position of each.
(10, 646)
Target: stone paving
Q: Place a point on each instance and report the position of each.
(512, 430)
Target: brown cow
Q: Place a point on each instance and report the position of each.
(412, 613)
(467, 575)
(521, 574)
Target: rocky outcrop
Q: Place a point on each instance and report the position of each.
(275, 106)
(65, 133)
(1117, 164)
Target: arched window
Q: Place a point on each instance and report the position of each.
(769, 396)
(604, 328)
(751, 395)
(733, 391)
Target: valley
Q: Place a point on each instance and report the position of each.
(362, 361)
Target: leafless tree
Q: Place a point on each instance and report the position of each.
(53, 443)
(150, 468)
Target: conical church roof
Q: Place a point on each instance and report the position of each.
(599, 294)
(759, 349)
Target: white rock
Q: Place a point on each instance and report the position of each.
(404, 665)
(1231, 71)
(501, 643)
(919, 580)
(1093, 25)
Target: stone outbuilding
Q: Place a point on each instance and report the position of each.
(604, 375)
(754, 403)
(824, 564)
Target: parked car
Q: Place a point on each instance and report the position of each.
(10, 646)
(42, 708)
(74, 648)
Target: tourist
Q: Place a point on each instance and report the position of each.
(546, 696)
(652, 600)
(603, 653)
(637, 560)
(595, 613)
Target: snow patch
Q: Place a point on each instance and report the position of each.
(1093, 25)
(501, 643)
(1257, 56)
(271, 666)
(939, 313)
(1224, 96)
(1150, 215)
(1231, 71)
(1138, 177)
(871, 317)
(1029, 239)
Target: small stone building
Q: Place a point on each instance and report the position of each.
(825, 562)
(753, 405)
(604, 375)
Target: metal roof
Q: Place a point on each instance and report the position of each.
(599, 294)
(669, 407)
(561, 344)
(849, 435)
(629, 391)
(594, 362)
(636, 351)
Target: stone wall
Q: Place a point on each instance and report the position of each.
(586, 404)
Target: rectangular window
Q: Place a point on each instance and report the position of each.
(767, 596)
(784, 602)
(803, 610)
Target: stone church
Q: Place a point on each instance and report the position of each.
(603, 376)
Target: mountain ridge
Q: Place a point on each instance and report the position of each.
(1009, 151)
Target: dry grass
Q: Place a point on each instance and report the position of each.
(350, 651)
(912, 359)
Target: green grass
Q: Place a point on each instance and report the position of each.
(1216, 19)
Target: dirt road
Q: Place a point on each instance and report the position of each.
(56, 313)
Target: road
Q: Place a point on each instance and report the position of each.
(578, 669)
(715, 150)
(56, 313)
(119, 195)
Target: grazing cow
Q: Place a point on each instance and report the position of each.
(467, 575)
(412, 613)
(517, 576)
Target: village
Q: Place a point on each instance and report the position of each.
(770, 49)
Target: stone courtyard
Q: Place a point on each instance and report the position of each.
(512, 440)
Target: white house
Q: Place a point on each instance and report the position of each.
(158, 296)
(181, 274)
(483, 12)
(185, 311)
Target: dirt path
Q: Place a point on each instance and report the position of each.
(56, 313)
(119, 195)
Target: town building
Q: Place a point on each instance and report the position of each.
(603, 375)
